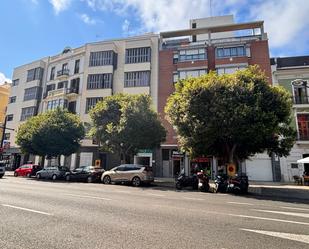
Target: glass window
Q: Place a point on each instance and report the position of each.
(137, 79)
(101, 58)
(76, 68)
(91, 102)
(31, 93)
(34, 74)
(15, 82)
(99, 81)
(27, 113)
(191, 73)
(192, 54)
(9, 117)
(138, 55)
(230, 51)
(52, 73)
(12, 99)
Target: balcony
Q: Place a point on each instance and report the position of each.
(301, 101)
(69, 92)
(63, 74)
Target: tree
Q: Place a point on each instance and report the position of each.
(125, 123)
(52, 134)
(231, 116)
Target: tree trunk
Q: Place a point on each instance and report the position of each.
(59, 160)
(42, 161)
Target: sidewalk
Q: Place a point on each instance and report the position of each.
(267, 189)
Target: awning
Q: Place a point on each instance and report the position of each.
(304, 160)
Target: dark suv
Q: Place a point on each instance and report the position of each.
(85, 173)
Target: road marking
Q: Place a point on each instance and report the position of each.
(91, 197)
(303, 215)
(26, 209)
(302, 209)
(194, 199)
(155, 195)
(270, 219)
(290, 236)
(240, 203)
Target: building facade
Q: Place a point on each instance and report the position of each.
(4, 97)
(77, 79)
(292, 73)
(210, 44)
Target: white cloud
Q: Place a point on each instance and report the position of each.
(285, 20)
(88, 20)
(60, 5)
(4, 79)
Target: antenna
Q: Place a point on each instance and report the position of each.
(210, 7)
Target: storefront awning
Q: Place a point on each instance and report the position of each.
(304, 160)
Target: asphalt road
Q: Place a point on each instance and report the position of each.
(43, 214)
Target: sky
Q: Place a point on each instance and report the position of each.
(33, 29)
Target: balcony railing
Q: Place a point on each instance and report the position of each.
(61, 91)
(300, 100)
(63, 72)
(72, 90)
(303, 137)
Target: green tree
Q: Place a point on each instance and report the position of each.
(125, 123)
(231, 116)
(52, 134)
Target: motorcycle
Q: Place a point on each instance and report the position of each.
(186, 181)
(203, 182)
(238, 184)
(221, 184)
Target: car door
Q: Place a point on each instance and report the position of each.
(117, 175)
(44, 173)
(77, 173)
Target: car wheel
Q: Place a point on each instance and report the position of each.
(1, 176)
(67, 178)
(15, 174)
(28, 175)
(136, 181)
(89, 179)
(107, 180)
(38, 176)
(54, 177)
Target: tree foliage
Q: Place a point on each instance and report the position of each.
(231, 116)
(51, 134)
(126, 123)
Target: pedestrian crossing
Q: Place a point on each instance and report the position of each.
(294, 215)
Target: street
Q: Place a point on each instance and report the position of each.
(45, 214)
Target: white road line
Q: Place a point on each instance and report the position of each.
(91, 197)
(270, 219)
(301, 209)
(194, 199)
(303, 215)
(26, 209)
(240, 203)
(155, 195)
(290, 236)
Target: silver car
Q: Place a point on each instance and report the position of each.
(128, 173)
(53, 173)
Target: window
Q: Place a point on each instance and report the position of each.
(300, 93)
(175, 77)
(192, 54)
(175, 58)
(76, 68)
(74, 86)
(15, 82)
(229, 70)
(138, 55)
(91, 102)
(101, 58)
(7, 136)
(52, 73)
(64, 67)
(191, 73)
(27, 113)
(194, 25)
(231, 52)
(62, 84)
(303, 126)
(31, 93)
(99, 81)
(12, 99)
(35, 74)
(9, 117)
(53, 104)
(137, 79)
(294, 165)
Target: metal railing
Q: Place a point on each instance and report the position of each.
(63, 72)
(300, 100)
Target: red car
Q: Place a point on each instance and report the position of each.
(27, 170)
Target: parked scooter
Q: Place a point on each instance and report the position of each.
(186, 181)
(221, 183)
(238, 184)
(203, 181)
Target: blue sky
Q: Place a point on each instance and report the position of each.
(31, 29)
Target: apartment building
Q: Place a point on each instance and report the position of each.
(77, 79)
(292, 73)
(210, 44)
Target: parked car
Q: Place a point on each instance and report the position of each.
(27, 170)
(85, 173)
(56, 172)
(129, 173)
(2, 168)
